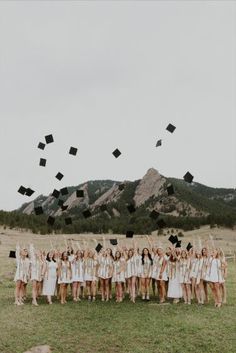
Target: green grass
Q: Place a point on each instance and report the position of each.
(111, 328)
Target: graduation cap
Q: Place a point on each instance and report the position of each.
(159, 143)
(188, 177)
(68, 221)
(173, 239)
(121, 187)
(29, 192)
(22, 190)
(51, 220)
(189, 246)
(154, 214)
(170, 190)
(161, 223)
(113, 241)
(42, 162)
(98, 247)
(12, 254)
(131, 208)
(59, 176)
(64, 191)
(87, 214)
(56, 193)
(116, 153)
(103, 208)
(38, 210)
(178, 244)
(79, 193)
(49, 139)
(171, 128)
(73, 151)
(129, 234)
(64, 207)
(41, 146)
(60, 202)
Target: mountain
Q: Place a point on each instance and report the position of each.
(190, 204)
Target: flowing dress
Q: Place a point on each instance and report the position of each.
(50, 278)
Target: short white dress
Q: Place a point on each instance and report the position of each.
(90, 269)
(205, 268)
(214, 273)
(184, 271)
(174, 287)
(22, 267)
(196, 270)
(65, 275)
(105, 267)
(50, 278)
(158, 263)
(132, 267)
(119, 270)
(146, 268)
(77, 268)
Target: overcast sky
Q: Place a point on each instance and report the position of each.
(101, 75)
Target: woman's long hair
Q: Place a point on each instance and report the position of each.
(48, 258)
(149, 256)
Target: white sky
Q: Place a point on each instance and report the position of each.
(101, 75)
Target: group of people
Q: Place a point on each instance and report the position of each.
(172, 273)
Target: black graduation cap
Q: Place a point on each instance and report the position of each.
(41, 146)
(159, 143)
(51, 220)
(178, 244)
(12, 254)
(64, 191)
(131, 208)
(22, 190)
(49, 139)
(59, 176)
(129, 234)
(87, 214)
(98, 247)
(68, 221)
(103, 208)
(60, 202)
(161, 223)
(173, 239)
(171, 128)
(154, 214)
(113, 241)
(116, 153)
(64, 207)
(188, 177)
(170, 190)
(189, 246)
(56, 193)
(38, 210)
(42, 162)
(73, 151)
(79, 193)
(121, 187)
(29, 192)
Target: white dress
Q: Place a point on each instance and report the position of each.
(174, 287)
(77, 268)
(90, 269)
(205, 268)
(22, 267)
(184, 271)
(132, 267)
(214, 273)
(196, 270)
(157, 266)
(105, 267)
(65, 273)
(50, 278)
(146, 268)
(119, 270)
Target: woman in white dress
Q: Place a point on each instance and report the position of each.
(22, 274)
(159, 272)
(119, 266)
(174, 287)
(214, 276)
(131, 272)
(146, 272)
(64, 276)
(184, 276)
(90, 273)
(77, 267)
(36, 272)
(105, 270)
(50, 276)
(205, 266)
(223, 269)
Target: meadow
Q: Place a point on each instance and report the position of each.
(144, 327)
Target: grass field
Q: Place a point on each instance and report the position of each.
(111, 327)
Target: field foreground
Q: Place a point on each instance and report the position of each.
(110, 327)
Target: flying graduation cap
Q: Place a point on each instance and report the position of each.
(188, 177)
(59, 176)
(22, 190)
(12, 254)
(171, 128)
(113, 242)
(38, 210)
(189, 246)
(73, 151)
(116, 153)
(178, 244)
(49, 139)
(129, 234)
(159, 143)
(56, 193)
(173, 239)
(64, 191)
(98, 247)
(29, 192)
(41, 145)
(42, 162)
(79, 193)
